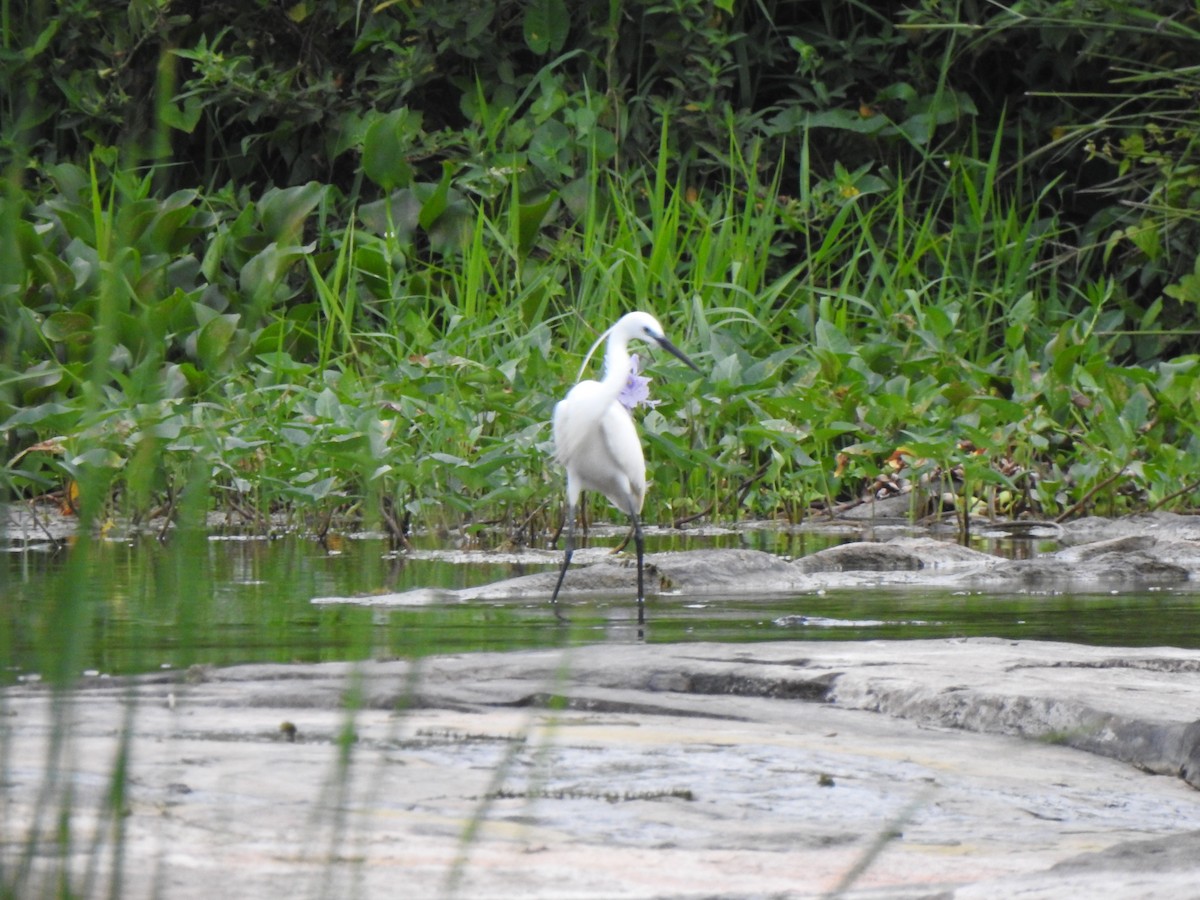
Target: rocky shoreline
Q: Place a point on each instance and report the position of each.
(1158, 550)
(960, 768)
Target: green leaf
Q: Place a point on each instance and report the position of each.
(1187, 289)
(282, 362)
(828, 337)
(31, 415)
(214, 339)
(43, 40)
(396, 216)
(283, 212)
(384, 158)
(846, 120)
(727, 370)
(546, 25)
(265, 271)
(182, 119)
(99, 457)
(68, 326)
(435, 204)
(297, 437)
(529, 222)
(328, 406)
(939, 321)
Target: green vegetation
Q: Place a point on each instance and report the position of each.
(330, 265)
(336, 262)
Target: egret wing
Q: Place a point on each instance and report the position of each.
(577, 420)
(626, 460)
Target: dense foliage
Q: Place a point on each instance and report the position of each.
(339, 260)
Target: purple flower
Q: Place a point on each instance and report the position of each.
(637, 389)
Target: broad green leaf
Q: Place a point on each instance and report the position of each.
(387, 140)
(68, 326)
(298, 437)
(31, 415)
(727, 370)
(316, 489)
(99, 457)
(283, 212)
(169, 428)
(282, 361)
(395, 216)
(828, 337)
(214, 340)
(529, 222)
(183, 119)
(1187, 289)
(328, 406)
(546, 25)
(844, 120)
(264, 272)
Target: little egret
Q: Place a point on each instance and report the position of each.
(596, 442)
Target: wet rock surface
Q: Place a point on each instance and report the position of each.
(1155, 550)
(915, 769)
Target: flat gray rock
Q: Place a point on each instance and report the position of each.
(1141, 559)
(953, 769)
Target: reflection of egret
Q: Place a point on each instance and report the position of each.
(596, 442)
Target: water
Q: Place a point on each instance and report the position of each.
(113, 607)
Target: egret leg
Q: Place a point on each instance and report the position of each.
(566, 562)
(640, 543)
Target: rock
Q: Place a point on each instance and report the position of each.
(896, 508)
(1128, 561)
(1169, 526)
(695, 572)
(1179, 852)
(950, 768)
(1131, 560)
(896, 555)
(1123, 560)
(860, 556)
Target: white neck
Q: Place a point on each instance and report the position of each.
(616, 364)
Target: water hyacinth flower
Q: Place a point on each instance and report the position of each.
(637, 388)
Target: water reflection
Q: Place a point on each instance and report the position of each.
(119, 607)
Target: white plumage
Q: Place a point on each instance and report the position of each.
(596, 441)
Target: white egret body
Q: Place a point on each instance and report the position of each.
(596, 441)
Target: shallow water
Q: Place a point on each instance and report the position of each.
(135, 606)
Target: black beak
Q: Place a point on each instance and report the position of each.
(676, 352)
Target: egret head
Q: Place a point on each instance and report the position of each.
(634, 326)
(638, 326)
(643, 326)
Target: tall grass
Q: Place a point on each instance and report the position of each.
(399, 363)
